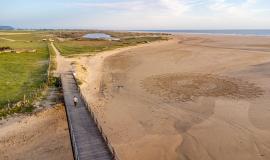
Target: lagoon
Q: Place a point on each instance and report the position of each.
(97, 36)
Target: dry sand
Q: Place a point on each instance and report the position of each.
(193, 97)
(11, 33)
(41, 136)
(7, 39)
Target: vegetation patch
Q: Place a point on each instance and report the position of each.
(23, 76)
(86, 46)
(55, 81)
(18, 108)
(5, 48)
(80, 33)
(53, 63)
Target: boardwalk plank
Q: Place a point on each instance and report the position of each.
(87, 141)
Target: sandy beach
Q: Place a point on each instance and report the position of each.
(43, 135)
(140, 80)
(192, 97)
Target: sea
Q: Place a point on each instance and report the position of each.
(245, 32)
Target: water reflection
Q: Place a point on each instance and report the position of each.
(98, 36)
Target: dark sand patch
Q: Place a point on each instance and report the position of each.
(188, 87)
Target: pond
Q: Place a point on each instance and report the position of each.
(98, 36)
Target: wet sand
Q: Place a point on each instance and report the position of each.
(193, 97)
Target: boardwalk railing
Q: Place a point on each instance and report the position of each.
(86, 138)
(108, 142)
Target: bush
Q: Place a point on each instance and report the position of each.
(55, 81)
(21, 108)
(5, 48)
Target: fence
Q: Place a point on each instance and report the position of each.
(109, 144)
(49, 65)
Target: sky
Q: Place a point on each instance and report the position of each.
(136, 14)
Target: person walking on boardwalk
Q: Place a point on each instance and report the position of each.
(75, 100)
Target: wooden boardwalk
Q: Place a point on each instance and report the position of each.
(87, 141)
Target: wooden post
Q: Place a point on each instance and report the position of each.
(24, 99)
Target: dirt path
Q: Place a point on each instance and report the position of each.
(10, 33)
(7, 39)
(182, 100)
(63, 65)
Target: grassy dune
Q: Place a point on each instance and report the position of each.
(22, 73)
(75, 44)
(72, 47)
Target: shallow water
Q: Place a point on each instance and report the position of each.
(254, 32)
(97, 36)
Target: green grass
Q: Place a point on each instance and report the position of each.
(30, 36)
(83, 46)
(77, 34)
(53, 80)
(52, 58)
(23, 73)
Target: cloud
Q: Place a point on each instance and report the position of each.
(169, 14)
(134, 5)
(175, 7)
(243, 9)
(158, 7)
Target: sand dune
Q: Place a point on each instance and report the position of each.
(41, 136)
(193, 97)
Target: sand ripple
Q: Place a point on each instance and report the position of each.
(187, 87)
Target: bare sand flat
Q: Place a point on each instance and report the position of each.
(12, 33)
(193, 97)
(41, 136)
(7, 39)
